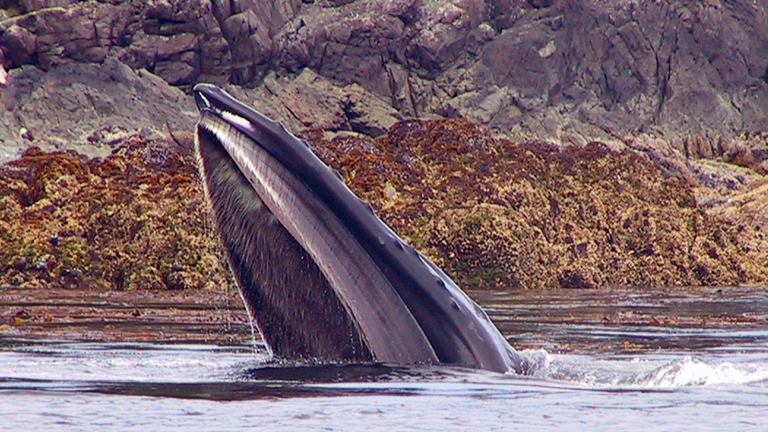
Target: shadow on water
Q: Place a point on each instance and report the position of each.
(272, 382)
(307, 381)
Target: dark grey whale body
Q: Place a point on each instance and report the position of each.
(323, 278)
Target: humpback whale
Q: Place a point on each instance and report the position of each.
(322, 277)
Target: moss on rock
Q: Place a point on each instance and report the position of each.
(494, 213)
(134, 220)
(491, 212)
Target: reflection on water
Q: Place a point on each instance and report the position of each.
(651, 360)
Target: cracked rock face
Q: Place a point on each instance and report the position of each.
(619, 67)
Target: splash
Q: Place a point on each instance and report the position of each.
(692, 371)
(687, 371)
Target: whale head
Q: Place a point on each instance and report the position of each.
(322, 277)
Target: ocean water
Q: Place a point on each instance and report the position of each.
(694, 359)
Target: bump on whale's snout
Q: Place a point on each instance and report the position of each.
(200, 100)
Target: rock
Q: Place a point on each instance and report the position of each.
(142, 224)
(571, 278)
(747, 222)
(498, 214)
(604, 70)
(651, 78)
(313, 101)
(493, 213)
(721, 176)
(310, 101)
(20, 264)
(87, 107)
(366, 113)
(446, 30)
(349, 44)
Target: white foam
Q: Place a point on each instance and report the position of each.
(686, 371)
(537, 362)
(692, 371)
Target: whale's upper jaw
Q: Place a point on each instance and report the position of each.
(210, 97)
(321, 275)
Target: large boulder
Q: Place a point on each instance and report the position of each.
(88, 107)
(493, 213)
(501, 214)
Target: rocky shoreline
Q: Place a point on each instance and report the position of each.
(562, 143)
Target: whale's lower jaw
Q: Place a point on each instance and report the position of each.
(323, 278)
(287, 297)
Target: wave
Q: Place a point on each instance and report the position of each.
(684, 371)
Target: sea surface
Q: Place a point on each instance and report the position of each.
(692, 359)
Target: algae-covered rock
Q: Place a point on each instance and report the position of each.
(499, 214)
(491, 212)
(133, 220)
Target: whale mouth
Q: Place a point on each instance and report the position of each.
(322, 277)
